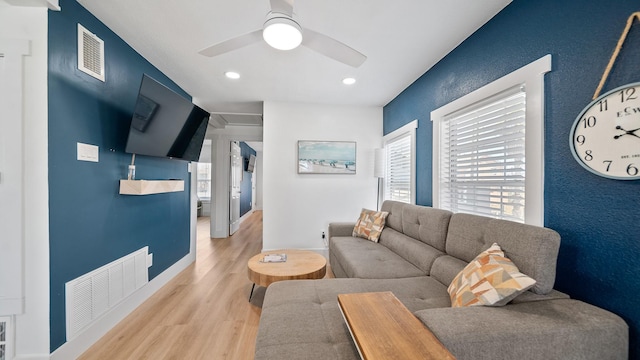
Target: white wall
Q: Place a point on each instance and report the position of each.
(32, 327)
(298, 207)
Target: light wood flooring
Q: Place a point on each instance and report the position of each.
(202, 313)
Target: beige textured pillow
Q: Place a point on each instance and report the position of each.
(370, 224)
(490, 279)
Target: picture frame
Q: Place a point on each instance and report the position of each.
(327, 157)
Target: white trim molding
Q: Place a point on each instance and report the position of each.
(51, 4)
(408, 129)
(12, 260)
(530, 76)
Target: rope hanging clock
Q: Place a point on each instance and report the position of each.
(605, 137)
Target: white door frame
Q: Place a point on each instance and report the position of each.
(235, 186)
(12, 299)
(220, 150)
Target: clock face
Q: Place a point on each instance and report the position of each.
(605, 137)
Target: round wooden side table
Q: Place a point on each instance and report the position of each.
(300, 264)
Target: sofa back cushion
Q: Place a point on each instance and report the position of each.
(422, 223)
(416, 233)
(394, 219)
(414, 251)
(533, 249)
(445, 268)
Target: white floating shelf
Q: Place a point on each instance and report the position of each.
(147, 187)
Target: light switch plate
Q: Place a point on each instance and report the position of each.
(87, 152)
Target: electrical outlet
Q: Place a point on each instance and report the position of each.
(323, 236)
(150, 260)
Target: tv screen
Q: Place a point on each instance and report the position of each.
(166, 124)
(251, 164)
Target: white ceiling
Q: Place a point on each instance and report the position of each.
(402, 40)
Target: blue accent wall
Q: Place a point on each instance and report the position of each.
(598, 218)
(90, 223)
(245, 185)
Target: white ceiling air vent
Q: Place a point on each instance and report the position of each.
(220, 120)
(90, 53)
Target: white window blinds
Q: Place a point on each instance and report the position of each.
(398, 168)
(482, 167)
(204, 180)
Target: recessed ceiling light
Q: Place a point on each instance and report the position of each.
(232, 75)
(349, 81)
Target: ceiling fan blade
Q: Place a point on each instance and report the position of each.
(282, 7)
(332, 48)
(232, 44)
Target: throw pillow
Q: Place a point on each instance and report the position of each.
(490, 279)
(370, 224)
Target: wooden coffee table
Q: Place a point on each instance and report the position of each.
(300, 264)
(383, 328)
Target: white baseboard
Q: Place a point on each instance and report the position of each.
(74, 348)
(221, 234)
(246, 216)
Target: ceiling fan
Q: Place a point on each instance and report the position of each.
(282, 32)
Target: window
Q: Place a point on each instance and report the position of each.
(488, 148)
(399, 179)
(483, 159)
(204, 180)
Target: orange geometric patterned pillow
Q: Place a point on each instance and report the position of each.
(490, 279)
(370, 224)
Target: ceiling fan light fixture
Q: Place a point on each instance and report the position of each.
(282, 33)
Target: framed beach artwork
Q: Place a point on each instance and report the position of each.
(326, 157)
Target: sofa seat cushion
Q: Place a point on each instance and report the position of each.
(548, 329)
(360, 258)
(414, 251)
(302, 319)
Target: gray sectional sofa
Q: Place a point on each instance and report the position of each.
(419, 253)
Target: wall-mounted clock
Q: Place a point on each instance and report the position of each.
(605, 137)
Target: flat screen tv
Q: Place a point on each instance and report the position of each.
(165, 124)
(251, 163)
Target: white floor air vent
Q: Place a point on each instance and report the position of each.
(91, 295)
(90, 53)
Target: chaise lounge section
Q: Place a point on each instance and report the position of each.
(419, 253)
